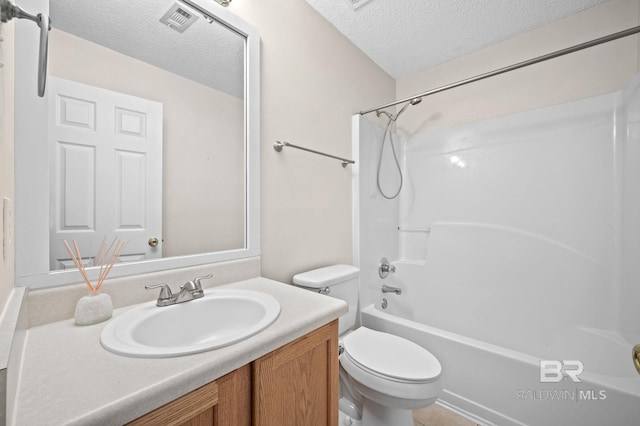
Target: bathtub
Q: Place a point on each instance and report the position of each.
(494, 385)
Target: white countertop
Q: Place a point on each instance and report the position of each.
(67, 378)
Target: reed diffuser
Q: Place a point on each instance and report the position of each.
(96, 307)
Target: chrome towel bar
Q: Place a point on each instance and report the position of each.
(277, 145)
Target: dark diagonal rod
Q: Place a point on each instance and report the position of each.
(279, 145)
(542, 58)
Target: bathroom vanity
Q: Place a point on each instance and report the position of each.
(295, 384)
(286, 374)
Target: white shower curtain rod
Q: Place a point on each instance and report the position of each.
(523, 64)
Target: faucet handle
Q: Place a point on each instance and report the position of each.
(165, 296)
(197, 281)
(385, 267)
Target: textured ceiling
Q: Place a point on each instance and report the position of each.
(210, 54)
(407, 36)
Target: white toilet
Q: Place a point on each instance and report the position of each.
(382, 377)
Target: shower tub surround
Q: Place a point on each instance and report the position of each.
(515, 242)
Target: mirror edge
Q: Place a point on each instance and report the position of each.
(30, 207)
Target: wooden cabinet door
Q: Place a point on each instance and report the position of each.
(223, 402)
(234, 399)
(297, 384)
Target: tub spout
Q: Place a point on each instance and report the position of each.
(390, 289)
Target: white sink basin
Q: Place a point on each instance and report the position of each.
(221, 318)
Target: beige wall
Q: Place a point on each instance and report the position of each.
(203, 184)
(6, 155)
(593, 71)
(307, 98)
(313, 80)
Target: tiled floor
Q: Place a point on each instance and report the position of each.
(435, 415)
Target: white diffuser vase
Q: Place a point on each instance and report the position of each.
(96, 307)
(93, 309)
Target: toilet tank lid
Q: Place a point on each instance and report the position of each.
(326, 276)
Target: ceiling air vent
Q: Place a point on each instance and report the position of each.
(178, 17)
(357, 3)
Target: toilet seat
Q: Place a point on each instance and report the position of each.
(391, 370)
(391, 357)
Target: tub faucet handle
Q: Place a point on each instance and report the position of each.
(384, 268)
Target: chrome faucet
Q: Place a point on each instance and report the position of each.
(188, 291)
(385, 267)
(390, 289)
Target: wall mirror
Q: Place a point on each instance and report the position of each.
(148, 132)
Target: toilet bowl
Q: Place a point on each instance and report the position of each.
(391, 374)
(383, 377)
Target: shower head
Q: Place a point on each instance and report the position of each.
(414, 101)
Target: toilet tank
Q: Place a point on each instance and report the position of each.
(339, 281)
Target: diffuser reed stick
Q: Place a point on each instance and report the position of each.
(110, 254)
